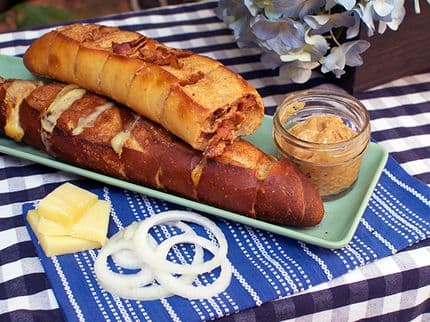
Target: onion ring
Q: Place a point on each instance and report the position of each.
(148, 254)
(176, 286)
(132, 286)
(127, 258)
(135, 286)
(135, 248)
(111, 280)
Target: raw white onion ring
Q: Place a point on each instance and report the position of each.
(148, 255)
(135, 286)
(151, 259)
(127, 258)
(111, 280)
(187, 290)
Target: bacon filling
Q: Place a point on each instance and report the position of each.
(151, 51)
(224, 125)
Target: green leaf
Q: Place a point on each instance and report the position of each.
(34, 15)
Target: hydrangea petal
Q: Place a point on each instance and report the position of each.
(318, 44)
(383, 7)
(292, 33)
(366, 16)
(352, 51)
(347, 4)
(264, 29)
(317, 21)
(334, 62)
(294, 55)
(290, 8)
(354, 30)
(397, 15)
(325, 23)
(382, 27)
(298, 72)
(310, 7)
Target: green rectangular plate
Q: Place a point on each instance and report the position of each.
(341, 218)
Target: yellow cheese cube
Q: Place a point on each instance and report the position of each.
(52, 228)
(66, 204)
(93, 224)
(58, 245)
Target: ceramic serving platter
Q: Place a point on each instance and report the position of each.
(341, 218)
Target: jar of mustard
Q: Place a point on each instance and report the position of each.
(326, 134)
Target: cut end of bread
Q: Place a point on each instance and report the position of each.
(226, 124)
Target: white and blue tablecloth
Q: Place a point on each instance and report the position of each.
(274, 278)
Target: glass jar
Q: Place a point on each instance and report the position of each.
(331, 165)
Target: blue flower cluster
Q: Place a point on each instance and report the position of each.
(299, 35)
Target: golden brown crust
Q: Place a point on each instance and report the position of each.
(228, 186)
(282, 193)
(117, 75)
(61, 58)
(193, 88)
(243, 179)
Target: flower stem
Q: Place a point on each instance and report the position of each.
(334, 38)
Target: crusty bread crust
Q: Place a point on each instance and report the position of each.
(193, 96)
(243, 179)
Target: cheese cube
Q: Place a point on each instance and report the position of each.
(93, 224)
(66, 204)
(52, 228)
(58, 245)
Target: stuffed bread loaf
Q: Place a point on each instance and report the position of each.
(90, 131)
(194, 97)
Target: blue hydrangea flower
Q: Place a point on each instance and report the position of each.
(345, 54)
(280, 36)
(295, 34)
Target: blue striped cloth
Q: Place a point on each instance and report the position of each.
(265, 266)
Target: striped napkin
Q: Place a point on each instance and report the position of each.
(265, 266)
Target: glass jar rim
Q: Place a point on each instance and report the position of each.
(301, 96)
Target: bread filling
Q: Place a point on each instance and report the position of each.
(15, 94)
(64, 100)
(89, 120)
(118, 141)
(196, 173)
(225, 123)
(151, 51)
